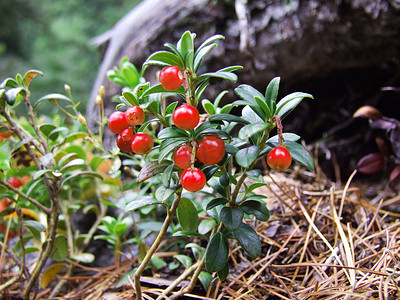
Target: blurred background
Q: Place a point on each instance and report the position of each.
(54, 37)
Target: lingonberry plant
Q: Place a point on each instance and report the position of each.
(52, 169)
(206, 156)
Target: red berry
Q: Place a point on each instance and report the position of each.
(171, 78)
(124, 140)
(182, 156)
(210, 150)
(193, 180)
(279, 158)
(134, 115)
(117, 122)
(186, 117)
(142, 143)
(15, 182)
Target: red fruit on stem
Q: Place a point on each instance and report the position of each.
(186, 117)
(182, 156)
(15, 182)
(210, 150)
(193, 180)
(279, 158)
(171, 78)
(142, 143)
(124, 140)
(134, 115)
(117, 122)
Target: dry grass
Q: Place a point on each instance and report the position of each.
(321, 242)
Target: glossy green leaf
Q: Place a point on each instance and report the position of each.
(163, 58)
(186, 47)
(267, 114)
(151, 169)
(246, 156)
(166, 177)
(184, 259)
(206, 225)
(205, 279)
(75, 136)
(170, 108)
(131, 98)
(287, 136)
(289, 102)
(14, 94)
(209, 41)
(249, 130)
(186, 233)
(172, 132)
(247, 93)
(51, 97)
(231, 217)
(187, 215)
(219, 74)
(169, 145)
(224, 272)
(35, 228)
(300, 154)
(142, 202)
(216, 253)
(271, 93)
(209, 171)
(228, 118)
(199, 55)
(208, 107)
(256, 208)
(29, 75)
(215, 202)
(59, 251)
(163, 193)
(248, 239)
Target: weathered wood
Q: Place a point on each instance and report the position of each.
(296, 40)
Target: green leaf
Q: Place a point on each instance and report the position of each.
(60, 248)
(186, 233)
(166, 178)
(215, 202)
(208, 41)
(249, 130)
(208, 107)
(86, 258)
(29, 75)
(170, 108)
(247, 93)
(248, 239)
(14, 94)
(156, 89)
(186, 46)
(289, 102)
(163, 58)
(231, 217)
(172, 132)
(184, 259)
(271, 93)
(224, 272)
(199, 55)
(228, 118)
(216, 253)
(287, 136)
(52, 97)
(209, 171)
(75, 136)
(300, 154)
(267, 114)
(219, 74)
(214, 183)
(246, 156)
(163, 193)
(187, 215)
(131, 98)
(151, 169)
(142, 202)
(35, 228)
(168, 145)
(256, 208)
(206, 226)
(205, 279)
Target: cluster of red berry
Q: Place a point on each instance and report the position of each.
(123, 124)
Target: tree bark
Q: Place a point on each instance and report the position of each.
(297, 40)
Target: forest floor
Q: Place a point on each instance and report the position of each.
(322, 242)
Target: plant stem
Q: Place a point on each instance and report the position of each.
(44, 255)
(170, 215)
